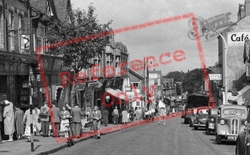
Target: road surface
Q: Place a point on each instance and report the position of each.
(174, 138)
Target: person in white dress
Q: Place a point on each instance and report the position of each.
(64, 121)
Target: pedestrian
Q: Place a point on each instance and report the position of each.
(76, 120)
(65, 115)
(1, 119)
(83, 119)
(44, 118)
(19, 122)
(96, 115)
(27, 121)
(132, 113)
(105, 116)
(115, 115)
(162, 114)
(55, 119)
(9, 120)
(124, 116)
(89, 119)
(37, 121)
(138, 113)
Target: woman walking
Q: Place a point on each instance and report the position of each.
(9, 119)
(19, 122)
(105, 116)
(124, 116)
(64, 122)
(27, 121)
(37, 121)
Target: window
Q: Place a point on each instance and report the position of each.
(11, 33)
(135, 85)
(2, 38)
(48, 10)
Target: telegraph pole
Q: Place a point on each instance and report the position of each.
(31, 76)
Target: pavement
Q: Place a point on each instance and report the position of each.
(48, 145)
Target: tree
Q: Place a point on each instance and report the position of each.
(193, 80)
(79, 40)
(176, 75)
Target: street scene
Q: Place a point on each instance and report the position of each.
(124, 77)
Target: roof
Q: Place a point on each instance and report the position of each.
(135, 74)
(155, 71)
(61, 7)
(233, 106)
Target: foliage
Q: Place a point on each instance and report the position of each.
(193, 81)
(79, 40)
(176, 75)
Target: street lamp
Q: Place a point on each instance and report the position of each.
(225, 60)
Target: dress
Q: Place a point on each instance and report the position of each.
(27, 122)
(64, 121)
(124, 116)
(19, 122)
(105, 116)
(9, 119)
(37, 123)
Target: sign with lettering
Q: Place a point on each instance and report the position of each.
(215, 77)
(237, 38)
(217, 23)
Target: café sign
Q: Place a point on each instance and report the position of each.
(237, 38)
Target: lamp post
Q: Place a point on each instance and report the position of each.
(225, 61)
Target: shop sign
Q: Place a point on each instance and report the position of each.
(237, 38)
(215, 77)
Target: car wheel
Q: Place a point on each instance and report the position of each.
(207, 131)
(186, 121)
(240, 143)
(196, 127)
(190, 123)
(218, 139)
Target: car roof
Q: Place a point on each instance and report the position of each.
(233, 106)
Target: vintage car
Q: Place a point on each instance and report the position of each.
(211, 120)
(201, 117)
(231, 121)
(243, 139)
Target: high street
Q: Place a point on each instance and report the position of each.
(174, 138)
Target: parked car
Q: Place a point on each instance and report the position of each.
(201, 117)
(231, 121)
(243, 139)
(211, 120)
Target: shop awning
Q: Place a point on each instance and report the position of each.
(242, 97)
(117, 93)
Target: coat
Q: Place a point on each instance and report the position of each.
(19, 121)
(44, 114)
(76, 114)
(105, 116)
(56, 115)
(9, 119)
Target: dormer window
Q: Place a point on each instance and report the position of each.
(49, 10)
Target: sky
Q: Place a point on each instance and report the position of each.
(165, 37)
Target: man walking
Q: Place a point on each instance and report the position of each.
(76, 120)
(55, 119)
(44, 117)
(96, 115)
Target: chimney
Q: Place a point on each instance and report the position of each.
(241, 12)
(247, 7)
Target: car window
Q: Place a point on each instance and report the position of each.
(237, 112)
(203, 111)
